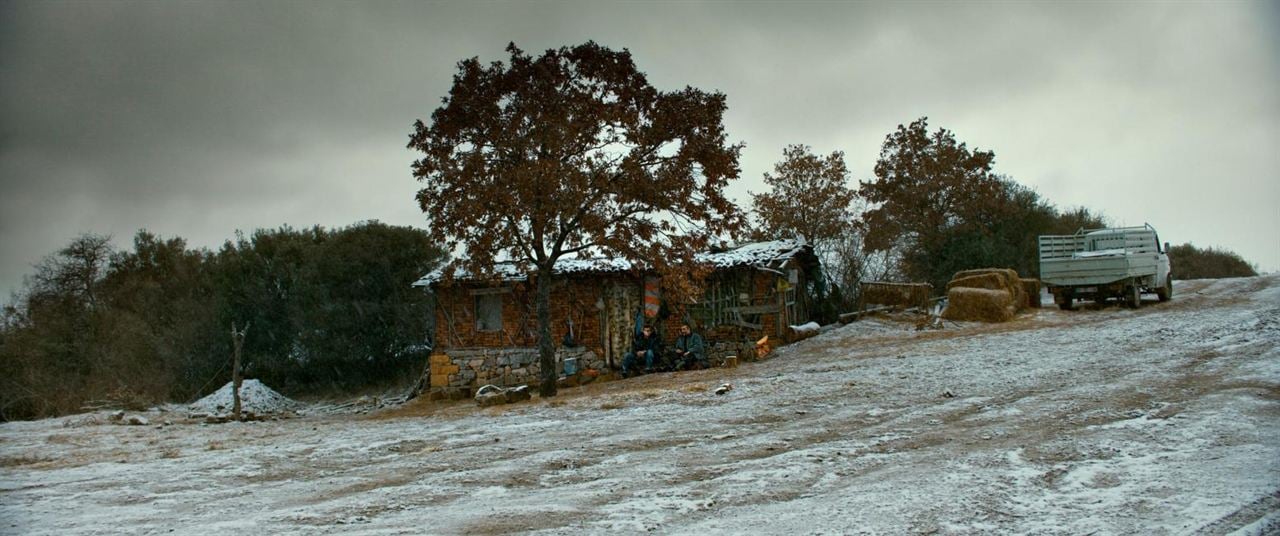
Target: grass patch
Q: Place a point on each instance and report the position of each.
(21, 460)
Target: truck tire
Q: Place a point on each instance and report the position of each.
(1133, 295)
(1165, 293)
(1066, 301)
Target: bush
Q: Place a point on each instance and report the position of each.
(1190, 262)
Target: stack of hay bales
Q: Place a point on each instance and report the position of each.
(986, 295)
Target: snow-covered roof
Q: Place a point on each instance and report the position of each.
(772, 252)
(755, 254)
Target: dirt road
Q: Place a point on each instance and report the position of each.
(1163, 420)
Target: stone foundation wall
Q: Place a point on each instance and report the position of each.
(456, 373)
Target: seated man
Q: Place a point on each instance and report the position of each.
(648, 345)
(690, 351)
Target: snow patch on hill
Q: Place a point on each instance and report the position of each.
(255, 397)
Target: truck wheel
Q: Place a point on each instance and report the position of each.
(1134, 296)
(1066, 301)
(1165, 292)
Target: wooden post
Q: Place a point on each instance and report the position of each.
(237, 341)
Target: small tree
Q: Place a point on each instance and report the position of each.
(573, 153)
(809, 197)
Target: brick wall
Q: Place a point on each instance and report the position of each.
(573, 299)
(578, 298)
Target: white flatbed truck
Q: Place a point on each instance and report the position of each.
(1099, 264)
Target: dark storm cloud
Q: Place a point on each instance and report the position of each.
(196, 119)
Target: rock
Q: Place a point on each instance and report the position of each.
(136, 420)
(518, 394)
(491, 399)
(491, 395)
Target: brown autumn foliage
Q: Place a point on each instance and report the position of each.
(939, 206)
(926, 187)
(573, 152)
(809, 196)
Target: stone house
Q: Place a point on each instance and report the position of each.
(485, 331)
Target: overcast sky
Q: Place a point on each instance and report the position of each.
(198, 119)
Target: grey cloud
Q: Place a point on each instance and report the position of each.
(196, 119)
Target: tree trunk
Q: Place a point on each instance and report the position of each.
(546, 347)
(237, 340)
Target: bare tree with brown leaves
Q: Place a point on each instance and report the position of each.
(573, 153)
(809, 196)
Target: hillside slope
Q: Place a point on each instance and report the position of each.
(1162, 420)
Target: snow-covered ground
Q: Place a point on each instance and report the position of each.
(1163, 420)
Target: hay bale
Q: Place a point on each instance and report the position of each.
(1031, 287)
(902, 294)
(994, 279)
(1008, 272)
(979, 304)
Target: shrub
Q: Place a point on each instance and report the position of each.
(1190, 262)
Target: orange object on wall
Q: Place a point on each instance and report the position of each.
(652, 296)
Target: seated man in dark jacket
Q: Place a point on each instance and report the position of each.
(648, 345)
(690, 350)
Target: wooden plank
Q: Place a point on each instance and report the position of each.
(745, 324)
(753, 309)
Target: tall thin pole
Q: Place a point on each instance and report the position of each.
(237, 341)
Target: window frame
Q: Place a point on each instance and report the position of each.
(485, 301)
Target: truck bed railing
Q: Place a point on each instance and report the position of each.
(1133, 240)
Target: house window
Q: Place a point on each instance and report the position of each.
(489, 312)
